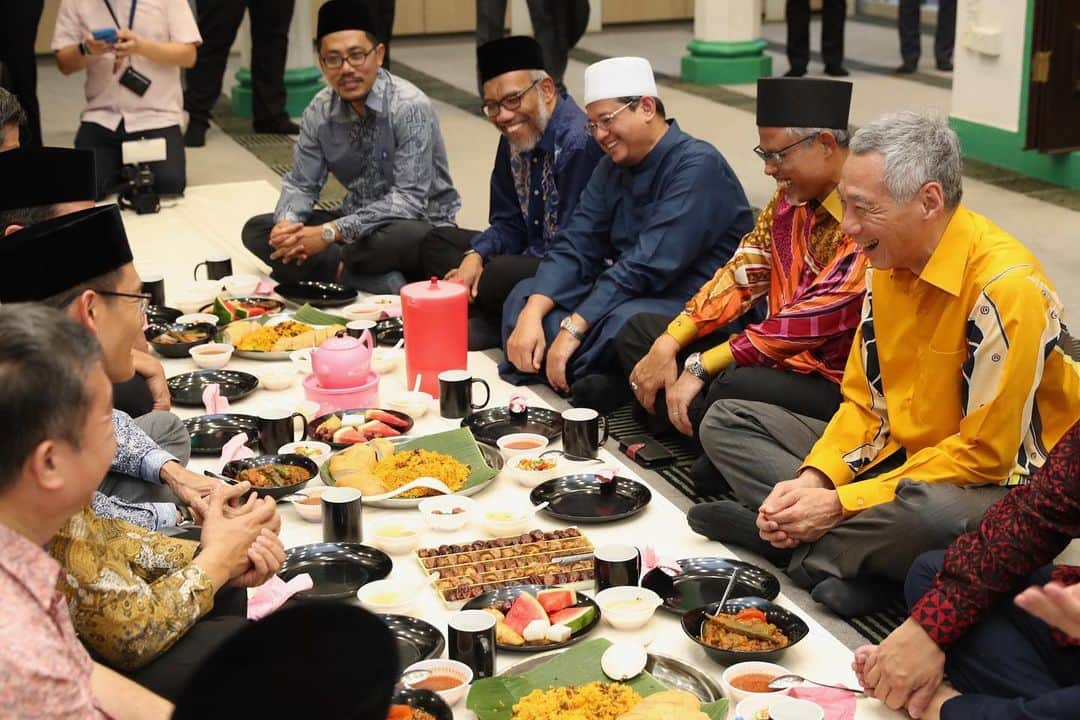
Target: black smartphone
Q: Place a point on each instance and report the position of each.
(645, 451)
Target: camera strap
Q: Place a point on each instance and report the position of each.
(131, 15)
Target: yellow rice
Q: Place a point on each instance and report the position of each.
(595, 701)
(263, 339)
(403, 467)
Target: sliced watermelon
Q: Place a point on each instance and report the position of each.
(556, 599)
(374, 429)
(574, 618)
(349, 435)
(384, 417)
(222, 310)
(524, 610)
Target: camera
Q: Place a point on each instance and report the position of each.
(137, 192)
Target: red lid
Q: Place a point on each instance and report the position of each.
(434, 288)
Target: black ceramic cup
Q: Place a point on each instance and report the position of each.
(216, 267)
(471, 635)
(276, 428)
(616, 565)
(342, 511)
(455, 393)
(582, 436)
(154, 286)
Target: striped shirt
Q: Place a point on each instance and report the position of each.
(811, 276)
(959, 367)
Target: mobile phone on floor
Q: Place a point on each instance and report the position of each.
(105, 35)
(645, 451)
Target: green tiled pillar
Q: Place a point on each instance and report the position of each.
(727, 47)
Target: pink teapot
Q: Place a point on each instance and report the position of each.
(343, 361)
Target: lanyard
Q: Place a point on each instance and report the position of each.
(131, 15)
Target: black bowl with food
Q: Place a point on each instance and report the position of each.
(273, 475)
(749, 628)
(161, 315)
(425, 701)
(174, 340)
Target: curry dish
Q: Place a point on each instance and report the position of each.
(273, 475)
(749, 631)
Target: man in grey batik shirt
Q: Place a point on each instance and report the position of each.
(379, 136)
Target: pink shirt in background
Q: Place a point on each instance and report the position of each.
(108, 102)
(45, 669)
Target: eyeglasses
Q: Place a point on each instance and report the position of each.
(604, 121)
(143, 298)
(510, 102)
(356, 58)
(777, 156)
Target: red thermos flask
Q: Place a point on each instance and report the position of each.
(435, 314)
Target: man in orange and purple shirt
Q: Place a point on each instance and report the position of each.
(53, 387)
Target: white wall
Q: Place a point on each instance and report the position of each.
(986, 89)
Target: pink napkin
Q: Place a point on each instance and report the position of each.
(273, 593)
(837, 704)
(235, 449)
(392, 312)
(265, 287)
(606, 475)
(652, 560)
(211, 397)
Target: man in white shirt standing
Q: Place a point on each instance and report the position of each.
(132, 79)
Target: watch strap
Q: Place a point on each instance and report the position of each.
(568, 325)
(694, 367)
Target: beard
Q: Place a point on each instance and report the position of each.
(543, 116)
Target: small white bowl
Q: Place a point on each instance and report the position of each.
(240, 285)
(317, 452)
(277, 378)
(443, 520)
(504, 522)
(301, 360)
(535, 443)
(780, 707)
(211, 355)
(386, 360)
(623, 617)
(414, 404)
(453, 668)
(308, 408)
(532, 478)
(396, 537)
(199, 317)
(362, 311)
(749, 668)
(310, 512)
(391, 597)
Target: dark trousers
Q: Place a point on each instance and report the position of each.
(832, 33)
(18, 30)
(1008, 665)
(379, 263)
(911, 38)
(218, 22)
(170, 672)
(810, 395)
(550, 22)
(170, 175)
(133, 396)
(385, 11)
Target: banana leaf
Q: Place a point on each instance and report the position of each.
(458, 444)
(494, 698)
(314, 316)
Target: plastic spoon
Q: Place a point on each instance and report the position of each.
(727, 591)
(783, 682)
(416, 385)
(399, 344)
(420, 482)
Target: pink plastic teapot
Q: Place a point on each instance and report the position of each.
(343, 361)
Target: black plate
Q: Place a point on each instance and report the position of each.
(232, 469)
(491, 424)
(424, 700)
(161, 315)
(337, 569)
(209, 433)
(178, 350)
(389, 331)
(586, 499)
(491, 597)
(354, 411)
(788, 622)
(416, 639)
(319, 294)
(703, 580)
(269, 304)
(187, 389)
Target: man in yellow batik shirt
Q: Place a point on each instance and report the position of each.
(955, 389)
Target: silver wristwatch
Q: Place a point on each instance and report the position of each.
(694, 367)
(329, 233)
(568, 325)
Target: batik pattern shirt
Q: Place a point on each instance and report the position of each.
(958, 367)
(534, 193)
(131, 593)
(137, 455)
(813, 278)
(45, 670)
(392, 161)
(1019, 534)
